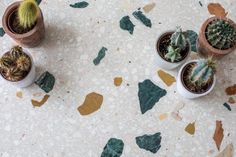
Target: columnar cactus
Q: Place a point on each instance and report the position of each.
(220, 34)
(202, 72)
(177, 44)
(28, 12)
(15, 64)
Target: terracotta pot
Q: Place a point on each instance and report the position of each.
(161, 61)
(183, 89)
(29, 39)
(28, 79)
(204, 46)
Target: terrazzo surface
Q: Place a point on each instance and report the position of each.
(73, 39)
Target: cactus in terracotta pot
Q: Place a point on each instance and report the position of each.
(27, 13)
(178, 43)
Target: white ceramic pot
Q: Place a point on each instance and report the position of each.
(29, 79)
(164, 64)
(182, 90)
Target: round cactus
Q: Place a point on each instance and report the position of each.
(221, 34)
(23, 63)
(28, 12)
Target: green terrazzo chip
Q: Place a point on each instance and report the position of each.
(150, 143)
(193, 36)
(2, 32)
(113, 148)
(101, 55)
(149, 94)
(80, 5)
(38, 1)
(227, 106)
(126, 24)
(141, 17)
(46, 81)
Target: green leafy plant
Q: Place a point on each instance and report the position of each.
(202, 72)
(178, 43)
(28, 12)
(220, 34)
(15, 65)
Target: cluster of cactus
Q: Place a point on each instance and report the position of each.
(202, 72)
(15, 65)
(177, 44)
(220, 34)
(27, 13)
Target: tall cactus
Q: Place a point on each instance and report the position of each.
(220, 34)
(177, 44)
(28, 12)
(15, 64)
(202, 72)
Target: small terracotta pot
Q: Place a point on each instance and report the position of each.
(183, 89)
(204, 46)
(162, 62)
(29, 39)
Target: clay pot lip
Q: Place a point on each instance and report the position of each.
(203, 34)
(183, 83)
(12, 8)
(31, 66)
(158, 45)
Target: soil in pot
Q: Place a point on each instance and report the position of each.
(189, 85)
(15, 26)
(163, 44)
(20, 75)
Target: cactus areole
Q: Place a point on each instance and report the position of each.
(167, 47)
(15, 64)
(217, 37)
(23, 21)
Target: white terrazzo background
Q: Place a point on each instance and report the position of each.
(73, 39)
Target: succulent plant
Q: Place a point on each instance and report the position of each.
(221, 34)
(27, 13)
(177, 44)
(202, 72)
(15, 64)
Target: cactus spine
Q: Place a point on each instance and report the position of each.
(202, 72)
(15, 65)
(220, 34)
(27, 13)
(178, 43)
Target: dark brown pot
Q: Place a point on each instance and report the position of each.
(204, 46)
(29, 39)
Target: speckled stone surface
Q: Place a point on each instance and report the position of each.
(73, 38)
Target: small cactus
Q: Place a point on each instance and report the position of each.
(220, 34)
(27, 13)
(177, 44)
(15, 64)
(202, 72)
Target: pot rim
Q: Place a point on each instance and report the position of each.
(31, 67)
(203, 34)
(158, 43)
(10, 9)
(182, 81)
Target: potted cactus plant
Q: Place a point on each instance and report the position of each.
(23, 22)
(173, 49)
(196, 78)
(217, 37)
(17, 67)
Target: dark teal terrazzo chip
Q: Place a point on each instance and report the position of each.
(227, 106)
(149, 94)
(80, 5)
(38, 1)
(113, 148)
(150, 143)
(193, 36)
(141, 17)
(2, 32)
(46, 82)
(200, 3)
(126, 24)
(101, 55)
